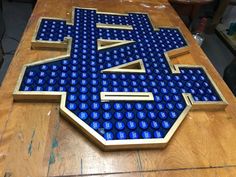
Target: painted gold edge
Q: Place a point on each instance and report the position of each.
(37, 96)
(48, 60)
(48, 42)
(178, 52)
(36, 29)
(19, 81)
(113, 40)
(126, 96)
(157, 28)
(114, 26)
(150, 143)
(69, 41)
(39, 22)
(112, 13)
(179, 119)
(46, 45)
(117, 70)
(61, 57)
(134, 144)
(68, 21)
(84, 8)
(43, 43)
(124, 71)
(86, 129)
(223, 102)
(215, 86)
(155, 143)
(175, 69)
(72, 20)
(121, 42)
(127, 93)
(101, 12)
(208, 105)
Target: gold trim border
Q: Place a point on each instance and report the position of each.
(92, 134)
(116, 43)
(126, 96)
(111, 26)
(118, 68)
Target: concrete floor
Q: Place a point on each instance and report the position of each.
(16, 15)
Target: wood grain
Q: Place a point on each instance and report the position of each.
(228, 172)
(36, 141)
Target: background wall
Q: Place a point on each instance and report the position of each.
(229, 15)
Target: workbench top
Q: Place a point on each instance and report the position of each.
(36, 141)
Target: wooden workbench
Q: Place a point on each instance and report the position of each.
(36, 141)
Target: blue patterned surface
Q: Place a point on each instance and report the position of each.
(80, 75)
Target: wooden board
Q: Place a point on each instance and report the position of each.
(36, 141)
(145, 122)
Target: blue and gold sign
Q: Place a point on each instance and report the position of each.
(117, 82)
